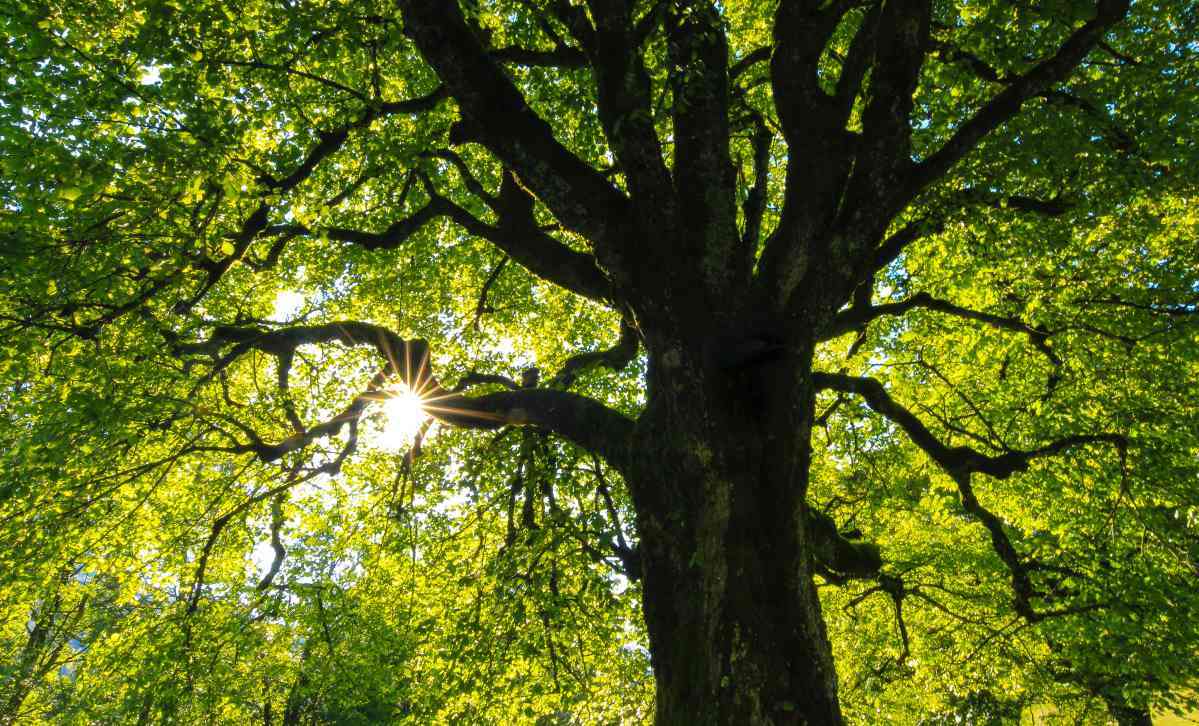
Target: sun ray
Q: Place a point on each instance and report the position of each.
(404, 413)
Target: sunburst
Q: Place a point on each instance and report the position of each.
(404, 414)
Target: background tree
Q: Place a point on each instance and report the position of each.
(722, 311)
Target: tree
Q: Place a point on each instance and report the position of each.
(892, 298)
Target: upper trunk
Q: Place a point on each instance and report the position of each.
(719, 476)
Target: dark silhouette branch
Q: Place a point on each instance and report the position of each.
(517, 235)
(956, 460)
(704, 177)
(623, 91)
(614, 358)
(1007, 102)
(961, 462)
(858, 316)
(495, 114)
(754, 206)
(579, 419)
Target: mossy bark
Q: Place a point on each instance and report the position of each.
(719, 477)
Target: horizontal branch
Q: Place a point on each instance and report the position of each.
(562, 57)
(858, 316)
(517, 234)
(1053, 207)
(579, 419)
(956, 460)
(614, 358)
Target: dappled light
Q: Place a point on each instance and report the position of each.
(723, 362)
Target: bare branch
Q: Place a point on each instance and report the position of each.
(901, 39)
(893, 246)
(961, 462)
(624, 105)
(1120, 139)
(750, 59)
(277, 521)
(517, 235)
(614, 358)
(329, 142)
(819, 148)
(560, 57)
(754, 206)
(705, 180)
(482, 307)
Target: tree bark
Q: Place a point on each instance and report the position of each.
(719, 476)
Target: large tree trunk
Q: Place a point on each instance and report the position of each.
(719, 479)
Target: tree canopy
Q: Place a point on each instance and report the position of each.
(752, 340)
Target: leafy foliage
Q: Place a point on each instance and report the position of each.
(202, 518)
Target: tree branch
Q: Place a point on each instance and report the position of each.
(893, 246)
(956, 460)
(858, 316)
(1120, 139)
(705, 180)
(495, 114)
(517, 235)
(1007, 102)
(960, 462)
(581, 420)
(754, 206)
(901, 39)
(329, 143)
(819, 148)
(614, 358)
(625, 109)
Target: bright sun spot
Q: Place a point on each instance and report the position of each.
(404, 413)
(287, 304)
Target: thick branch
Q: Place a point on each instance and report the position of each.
(1120, 139)
(893, 246)
(960, 462)
(582, 420)
(495, 114)
(517, 235)
(705, 180)
(625, 108)
(329, 142)
(819, 149)
(838, 557)
(614, 358)
(754, 206)
(901, 39)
